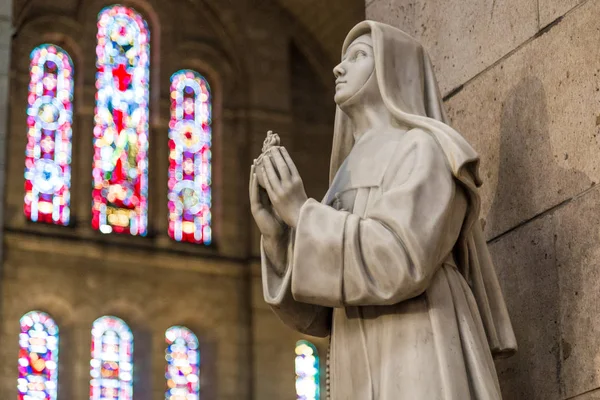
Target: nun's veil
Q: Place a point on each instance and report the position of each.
(410, 92)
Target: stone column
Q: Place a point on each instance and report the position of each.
(6, 31)
(521, 82)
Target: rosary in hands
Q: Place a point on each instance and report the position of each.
(276, 206)
(284, 185)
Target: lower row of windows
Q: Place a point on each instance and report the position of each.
(112, 361)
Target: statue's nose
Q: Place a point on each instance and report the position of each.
(338, 70)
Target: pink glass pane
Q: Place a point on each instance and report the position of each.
(183, 361)
(38, 357)
(120, 170)
(112, 360)
(48, 151)
(190, 159)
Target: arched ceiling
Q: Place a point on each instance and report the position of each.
(327, 20)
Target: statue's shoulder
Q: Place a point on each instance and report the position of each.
(413, 143)
(416, 148)
(423, 140)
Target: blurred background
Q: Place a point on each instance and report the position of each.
(130, 265)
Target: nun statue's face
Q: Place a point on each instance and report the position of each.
(355, 69)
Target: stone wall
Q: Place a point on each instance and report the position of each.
(521, 80)
(76, 284)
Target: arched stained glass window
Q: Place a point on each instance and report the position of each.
(48, 151)
(38, 357)
(183, 361)
(307, 371)
(190, 158)
(112, 360)
(120, 170)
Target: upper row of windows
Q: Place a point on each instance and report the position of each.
(120, 165)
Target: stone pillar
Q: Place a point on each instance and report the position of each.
(521, 80)
(6, 31)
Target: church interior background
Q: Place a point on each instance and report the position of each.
(129, 259)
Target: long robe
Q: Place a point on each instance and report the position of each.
(372, 265)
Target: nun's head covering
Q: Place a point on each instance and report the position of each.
(410, 92)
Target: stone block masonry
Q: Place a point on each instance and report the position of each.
(522, 84)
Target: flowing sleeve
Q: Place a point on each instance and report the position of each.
(390, 255)
(310, 319)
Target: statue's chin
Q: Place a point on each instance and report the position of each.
(345, 100)
(340, 98)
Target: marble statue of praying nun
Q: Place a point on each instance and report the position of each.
(392, 263)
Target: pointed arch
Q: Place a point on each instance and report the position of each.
(38, 357)
(49, 136)
(120, 170)
(190, 174)
(112, 360)
(183, 362)
(307, 371)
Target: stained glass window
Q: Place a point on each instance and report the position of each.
(183, 360)
(48, 151)
(112, 360)
(190, 158)
(120, 171)
(307, 371)
(38, 357)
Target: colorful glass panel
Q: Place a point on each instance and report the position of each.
(307, 371)
(38, 357)
(112, 360)
(120, 170)
(183, 361)
(190, 158)
(48, 151)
